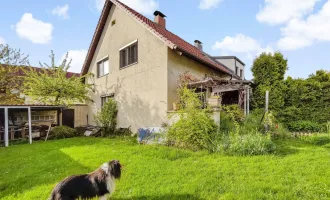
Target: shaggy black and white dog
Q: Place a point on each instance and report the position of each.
(99, 183)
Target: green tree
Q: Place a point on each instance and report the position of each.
(11, 60)
(52, 86)
(268, 72)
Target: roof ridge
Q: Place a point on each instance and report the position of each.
(171, 39)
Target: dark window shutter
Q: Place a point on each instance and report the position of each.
(128, 55)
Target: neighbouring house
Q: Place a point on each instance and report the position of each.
(37, 117)
(138, 62)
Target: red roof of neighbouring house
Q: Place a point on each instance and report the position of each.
(172, 40)
(40, 70)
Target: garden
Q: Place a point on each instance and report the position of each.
(280, 153)
(296, 170)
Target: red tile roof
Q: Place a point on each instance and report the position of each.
(172, 40)
(40, 70)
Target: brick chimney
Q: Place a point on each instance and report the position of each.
(160, 18)
(199, 45)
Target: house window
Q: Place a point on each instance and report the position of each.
(236, 71)
(241, 73)
(103, 68)
(128, 55)
(105, 99)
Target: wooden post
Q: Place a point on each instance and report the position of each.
(266, 109)
(6, 128)
(248, 101)
(30, 124)
(245, 103)
(267, 101)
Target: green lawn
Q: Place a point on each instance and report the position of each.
(297, 171)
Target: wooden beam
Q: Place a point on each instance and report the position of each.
(6, 128)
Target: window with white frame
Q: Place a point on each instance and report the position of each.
(103, 67)
(128, 55)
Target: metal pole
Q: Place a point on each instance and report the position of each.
(6, 128)
(267, 101)
(30, 124)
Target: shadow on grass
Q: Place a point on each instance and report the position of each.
(28, 166)
(284, 148)
(163, 197)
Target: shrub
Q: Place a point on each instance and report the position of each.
(80, 130)
(61, 132)
(252, 123)
(248, 144)
(195, 127)
(316, 139)
(192, 131)
(106, 118)
(304, 126)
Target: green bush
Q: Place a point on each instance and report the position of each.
(61, 132)
(304, 126)
(106, 118)
(252, 123)
(248, 144)
(195, 127)
(316, 139)
(192, 131)
(80, 130)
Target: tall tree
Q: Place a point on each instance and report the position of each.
(268, 72)
(10, 83)
(53, 85)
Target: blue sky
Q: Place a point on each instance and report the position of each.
(300, 29)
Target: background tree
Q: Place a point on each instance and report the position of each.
(10, 83)
(268, 72)
(52, 85)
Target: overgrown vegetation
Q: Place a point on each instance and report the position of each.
(316, 139)
(242, 136)
(62, 132)
(106, 118)
(195, 126)
(236, 135)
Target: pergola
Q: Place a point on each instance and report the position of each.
(219, 86)
(29, 108)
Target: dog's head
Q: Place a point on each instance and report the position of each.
(112, 168)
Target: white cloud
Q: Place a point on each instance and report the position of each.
(299, 33)
(78, 59)
(2, 40)
(241, 44)
(209, 4)
(34, 30)
(146, 7)
(61, 11)
(282, 11)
